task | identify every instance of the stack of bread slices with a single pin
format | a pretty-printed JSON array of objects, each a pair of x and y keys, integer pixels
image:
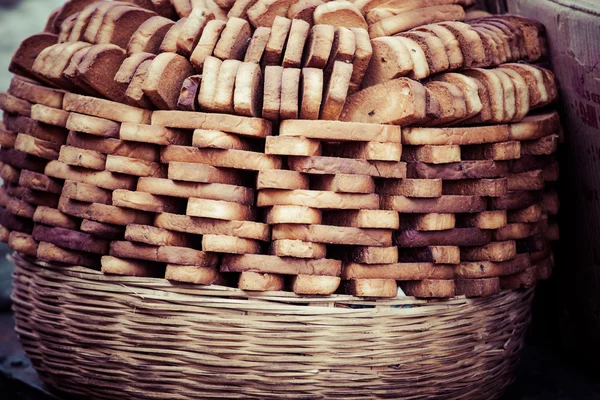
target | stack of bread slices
[{"x": 372, "y": 147}]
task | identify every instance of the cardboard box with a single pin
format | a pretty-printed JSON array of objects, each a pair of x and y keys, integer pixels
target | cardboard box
[{"x": 573, "y": 31}]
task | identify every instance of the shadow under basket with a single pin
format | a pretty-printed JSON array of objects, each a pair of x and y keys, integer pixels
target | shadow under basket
[{"x": 104, "y": 337}]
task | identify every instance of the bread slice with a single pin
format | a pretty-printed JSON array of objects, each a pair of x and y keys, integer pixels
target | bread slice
[
  {"x": 50, "y": 252},
  {"x": 371, "y": 255},
  {"x": 245, "y": 126},
  {"x": 190, "y": 33},
  {"x": 23, "y": 60},
  {"x": 428, "y": 222},
  {"x": 510, "y": 104},
  {"x": 146, "y": 202},
  {"x": 134, "y": 166},
  {"x": 82, "y": 158},
  {"x": 70, "y": 239},
  {"x": 164, "y": 92},
  {"x": 219, "y": 210},
  {"x": 188, "y": 95},
  {"x": 202, "y": 173},
  {"x": 379, "y": 219},
  {"x": 207, "y": 43},
  {"x": 135, "y": 91},
  {"x": 332, "y": 165},
  {"x": 14, "y": 105},
  {"x": 223, "y": 100},
  {"x": 52, "y": 217},
  {"x": 333, "y": 234},
  {"x": 469, "y": 87},
  {"x": 207, "y": 92},
  {"x": 315, "y": 285},
  {"x": 477, "y": 287},
  {"x": 234, "y": 40},
  {"x": 371, "y": 288},
  {"x": 128, "y": 267},
  {"x": 429, "y": 288},
  {"x": 521, "y": 94},
  {"x": 336, "y": 91},
  {"x": 444, "y": 204},
  {"x": 421, "y": 188},
  {"x": 281, "y": 179},
  {"x": 229, "y": 245},
  {"x": 316, "y": 199},
  {"x": 95, "y": 22},
  {"x": 86, "y": 193},
  {"x": 119, "y": 24},
  {"x": 165, "y": 8},
  {"x": 255, "y": 281},
  {"x": 492, "y": 151},
  {"x": 272, "y": 92},
  {"x": 290, "y": 88},
  {"x": 211, "y": 6},
  {"x": 39, "y": 182},
  {"x": 49, "y": 116},
  {"x": 238, "y": 159},
  {"x": 451, "y": 237},
  {"x": 498, "y": 44},
  {"x": 114, "y": 146},
  {"x": 433, "y": 48},
  {"x": 66, "y": 27},
  {"x": 93, "y": 125},
  {"x": 292, "y": 214},
  {"x": 311, "y": 93},
  {"x": 411, "y": 19},
  {"x": 544, "y": 146},
  {"x": 183, "y": 8},
  {"x": 257, "y": 45},
  {"x": 431, "y": 254},
  {"x": 297, "y": 249},
  {"x": 127, "y": 71},
  {"x": 495, "y": 93},
  {"x": 533, "y": 213},
  {"x": 81, "y": 22},
  {"x": 204, "y": 226},
  {"x": 538, "y": 93},
  {"x": 535, "y": 126},
  {"x": 298, "y": 34},
  {"x": 240, "y": 8},
  {"x": 343, "y": 183},
  {"x": 342, "y": 49},
  {"x": 318, "y": 48},
  {"x": 452, "y": 102},
  {"x": 208, "y": 138},
  {"x": 277, "y": 265},
  {"x": 380, "y": 9},
  {"x": 277, "y": 40},
  {"x": 404, "y": 103},
  {"x": 169, "y": 42},
  {"x": 339, "y": 14},
  {"x": 98, "y": 69},
  {"x": 265, "y": 12},
  {"x": 102, "y": 230},
  {"x": 290, "y": 145},
  {"x": 33, "y": 93},
  {"x": 304, "y": 10},
  {"x": 391, "y": 59},
  {"x": 494, "y": 252},
  {"x": 477, "y": 187},
  {"x": 470, "y": 44},
  {"x": 102, "y": 179},
  {"x": 405, "y": 271}
]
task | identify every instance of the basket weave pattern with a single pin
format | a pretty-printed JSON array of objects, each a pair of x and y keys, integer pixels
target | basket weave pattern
[{"x": 99, "y": 336}]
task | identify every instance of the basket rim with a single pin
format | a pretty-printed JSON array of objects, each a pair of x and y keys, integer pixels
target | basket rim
[{"x": 160, "y": 289}]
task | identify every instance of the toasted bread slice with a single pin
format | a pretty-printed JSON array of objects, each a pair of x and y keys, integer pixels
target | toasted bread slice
[
  {"x": 434, "y": 50},
  {"x": 191, "y": 30},
  {"x": 400, "y": 101},
  {"x": 293, "y": 215},
  {"x": 470, "y": 43},
  {"x": 333, "y": 234},
  {"x": 391, "y": 59},
  {"x": 318, "y": 48},
  {"x": 99, "y": 67},
  {"x": 238, "y": 159},
  {"x": 234, "y": 40},
  {"x": 119, "y": 24},
  {"x": 423, "y": 188},
  {"x": 311, "y": 96},
  {"x": 297, "y": 249},
  {"x": 188, "y": 95},
  {"x": 257, "y": 45},
  {"x": 169, "y": 42},
  {"x": 411, "y": 19},
  {"x": 316, "y": 199},
  {"x": 207, "y": 92},
  {"x": 277, "y": 40},
  {"x": 247, "y": 97},
  {"x": 304, "y": 10},
  {"x": 343, "y": 183},
  {"x": 281, "y": 179},
  {"x": 240, "y": 8},
  {"x": 164, "y": 92},
  {"x": 130, "y": 65},
  {"x": 339, "y": 14},
  {"x": 27, "y": 52},
  {"x": 299, "y": 31},
  {"x": 336, "y": 91},
  {"x": 223, "y": 100},
  {"x": 468, "y": 86},
  {"x": 429, "y": 288},
  {"x": 207, "y": 43},
  {"x": 290, "y": 94},
  {"x": 183, "y": 8},
  {"x": 272, "y": 92}
]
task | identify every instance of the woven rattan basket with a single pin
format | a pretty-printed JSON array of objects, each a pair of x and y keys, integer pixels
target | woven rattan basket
[{"x": 97, "y": 336}]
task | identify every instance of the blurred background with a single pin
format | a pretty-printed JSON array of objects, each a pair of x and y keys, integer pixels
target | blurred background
[{"x": 18, "y": 19}]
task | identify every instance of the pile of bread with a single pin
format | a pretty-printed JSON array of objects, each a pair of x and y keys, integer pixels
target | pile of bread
[{"x": 319, "y": 147}]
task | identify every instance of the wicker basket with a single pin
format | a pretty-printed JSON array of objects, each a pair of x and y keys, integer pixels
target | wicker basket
[{"x": 97, "y": 336}]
